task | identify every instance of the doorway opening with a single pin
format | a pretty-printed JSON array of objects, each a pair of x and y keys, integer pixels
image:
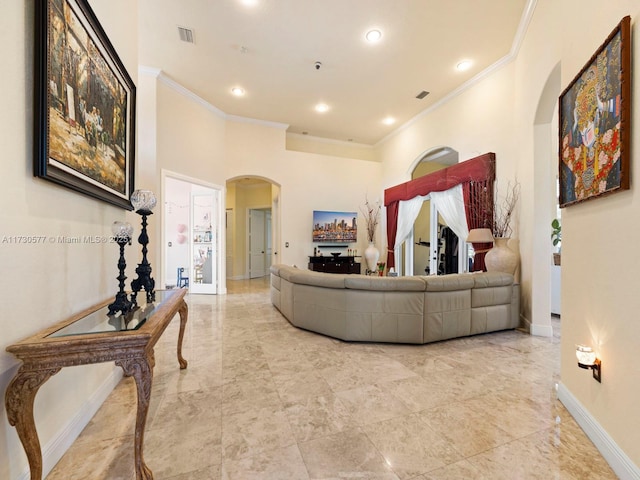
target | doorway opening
[
  {"x": 253, "y": 227},
  {"x": 432, "y": 247},
  {"x": 191, "y": 235}
]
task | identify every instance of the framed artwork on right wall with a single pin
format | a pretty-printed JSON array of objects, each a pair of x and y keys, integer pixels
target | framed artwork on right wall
[{"x": 595, "y": 123}]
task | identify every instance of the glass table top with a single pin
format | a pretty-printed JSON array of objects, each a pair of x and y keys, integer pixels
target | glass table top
[{"x": 100, "y": 322}]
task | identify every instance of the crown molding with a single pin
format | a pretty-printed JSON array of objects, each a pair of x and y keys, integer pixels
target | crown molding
[
  {"x": 159, "y": 75},
  {"x": 332, "y": 141},
  {"x": 264, "y": 123}
]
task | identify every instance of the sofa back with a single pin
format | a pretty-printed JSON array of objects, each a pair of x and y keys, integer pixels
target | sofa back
[{"x": 417, "y": 309}]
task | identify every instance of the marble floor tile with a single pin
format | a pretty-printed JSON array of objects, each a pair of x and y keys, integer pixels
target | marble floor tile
[
  {"x": 256, "y": 431},
  {"x": 319, "y": 417},
  {"x": 110, "y": 459},
  {"x": 281, "y": 464},
  {"x": 198, "y": 450},
  {"x": 345, "y": 455},
  {"x": 410, "y": 447},
  {"x": 468, "y": 429},
  {"x": 264, "y": 400}
]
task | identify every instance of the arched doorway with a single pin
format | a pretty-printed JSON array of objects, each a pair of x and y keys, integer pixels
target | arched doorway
[
  {"x": 435, "y": 246},
  {"x": 545, "y": 203},
  {"x": 252, "y": 226}
]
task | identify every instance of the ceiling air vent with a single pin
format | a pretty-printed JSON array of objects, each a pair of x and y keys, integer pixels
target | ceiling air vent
[
  {"x": 422, "y": 94},
  {"x": 186, "y": 34}
]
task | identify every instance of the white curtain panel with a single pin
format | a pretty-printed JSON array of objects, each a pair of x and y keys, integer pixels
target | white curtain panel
[
  {"x": 408, "y": 211},
  {"x": 450, "y": 204}
]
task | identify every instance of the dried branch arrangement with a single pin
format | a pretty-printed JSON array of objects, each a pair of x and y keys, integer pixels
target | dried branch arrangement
[
  {"x": 504, "y": 210},
  {"x": 371, "y": 217}
]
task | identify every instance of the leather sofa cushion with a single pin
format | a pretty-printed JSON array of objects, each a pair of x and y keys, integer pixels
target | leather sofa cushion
[
  {"x": 446, "y": 283},
  {"x": 275, "y": 269},
  {"x": 318, "y": 279},
  {"x": 285, "y": 271},
  {"x": 484, "y": 297},
  {"x": 492, "y": 279},
  {"x": 388, "y": 284}
]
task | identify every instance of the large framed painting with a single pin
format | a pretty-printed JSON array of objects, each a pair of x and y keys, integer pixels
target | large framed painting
[
  {"x": 335, "y": 227},
  {"x": 595, "y": 113},
  {"x": 84, "y": 104}
]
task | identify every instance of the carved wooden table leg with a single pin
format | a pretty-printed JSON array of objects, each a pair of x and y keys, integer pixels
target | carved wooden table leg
[
  {"x": 19, "y": 398},
  {"x": 141, "y": 369},
  {"x": 183, "y": 311}
]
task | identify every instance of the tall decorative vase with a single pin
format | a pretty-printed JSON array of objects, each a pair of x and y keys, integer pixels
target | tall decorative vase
[
  {"x": 371, "y": 256},
  {"x": 501, "y": 258}
]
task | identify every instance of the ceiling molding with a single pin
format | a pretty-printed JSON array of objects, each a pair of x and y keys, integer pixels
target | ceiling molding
[
  {"x": 264, "y": 123},
  {"x": 332, "y": 141},
  {"x": 511, "y": 56},
  {"x": 149, "y": 71},
  {"x": 175, "y": 86},
  {"x": 169, "y": 82}
]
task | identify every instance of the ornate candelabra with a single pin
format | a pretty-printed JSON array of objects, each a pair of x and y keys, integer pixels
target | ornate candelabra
[
  {"x": 122, "y": 232},
  {"x": 143, "y": 202}
]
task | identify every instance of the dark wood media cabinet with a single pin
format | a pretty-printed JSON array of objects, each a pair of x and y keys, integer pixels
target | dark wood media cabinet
[{"x": 333, "y": 264}]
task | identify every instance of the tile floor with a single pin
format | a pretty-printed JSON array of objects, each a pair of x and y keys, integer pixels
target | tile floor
[{"x": 264, "y": 400}]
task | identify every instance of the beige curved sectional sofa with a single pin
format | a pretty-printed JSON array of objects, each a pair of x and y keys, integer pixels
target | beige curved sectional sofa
[{"x": 395, "y": 309}]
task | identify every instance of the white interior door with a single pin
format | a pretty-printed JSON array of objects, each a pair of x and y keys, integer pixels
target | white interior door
[
  {"x": 229, "y": 241},
  {"x": 257, "y": 244},
  {"x": 203, "y": 273},
  {"x": 268, "y": 240}
]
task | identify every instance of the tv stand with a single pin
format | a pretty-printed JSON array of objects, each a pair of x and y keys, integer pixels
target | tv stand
[{"x": 334, "y": 264}]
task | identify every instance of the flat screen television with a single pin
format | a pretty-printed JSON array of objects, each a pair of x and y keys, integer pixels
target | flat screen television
[{"x": 335, "y": 227}]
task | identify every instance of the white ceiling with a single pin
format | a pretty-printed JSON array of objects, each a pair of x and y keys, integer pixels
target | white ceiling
[{"x": 270, "y": 50}]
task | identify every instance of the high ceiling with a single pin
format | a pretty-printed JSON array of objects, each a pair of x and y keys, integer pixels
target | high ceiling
[{"x": 270, "y": 50}]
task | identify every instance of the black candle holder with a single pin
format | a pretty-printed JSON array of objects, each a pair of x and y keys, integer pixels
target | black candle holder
[
  {"x": 144, "y": 280},
  {"x": 143, "y": 202},
  {"x": 122, "y": 232}
]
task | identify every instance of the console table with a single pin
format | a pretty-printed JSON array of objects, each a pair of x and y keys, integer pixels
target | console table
[
  {"x": 334, "y": 264},
  {"x": 92, "y": 336}
]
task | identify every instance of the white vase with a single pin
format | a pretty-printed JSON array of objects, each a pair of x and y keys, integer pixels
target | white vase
[
  {"x": 501, "y": 258},
  {"x": 371, "y": 256}
]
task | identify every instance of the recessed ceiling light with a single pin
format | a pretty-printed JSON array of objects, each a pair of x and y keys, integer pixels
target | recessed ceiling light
[
  {"x": 389, "y": 121},
  {"x": 464, "y": 65},
  {"x": 373, "y": 35},
  {"x": 322, "y": 107},
  {"x": 237, "y": 91},
  {"x": 249, "y": 3}
]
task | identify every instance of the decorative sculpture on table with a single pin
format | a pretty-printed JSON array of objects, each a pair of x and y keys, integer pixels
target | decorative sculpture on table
[
  {"x": 143, "y": 202},
  {"x": 122, "y": 231}
]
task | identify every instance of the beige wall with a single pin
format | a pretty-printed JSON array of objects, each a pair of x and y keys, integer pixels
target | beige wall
[
  {"x": 500, "y": 114},
  {"x": 335, "y": 148},
  {"x": 307, "y": 182},
  {"x": 45, "y": 282},
  {"x": 600, "y": 284}
]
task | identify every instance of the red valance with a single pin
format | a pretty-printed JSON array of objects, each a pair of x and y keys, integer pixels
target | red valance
[
  {"x": 477, "y": 169},
  {"x": 474, "y": 170}
]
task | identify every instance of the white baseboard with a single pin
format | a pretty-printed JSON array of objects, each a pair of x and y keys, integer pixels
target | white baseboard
[
  {"x": 60, "y": 443},
  {"x": 621, "y": 464},
  {"x": 541, "y": 330}
]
